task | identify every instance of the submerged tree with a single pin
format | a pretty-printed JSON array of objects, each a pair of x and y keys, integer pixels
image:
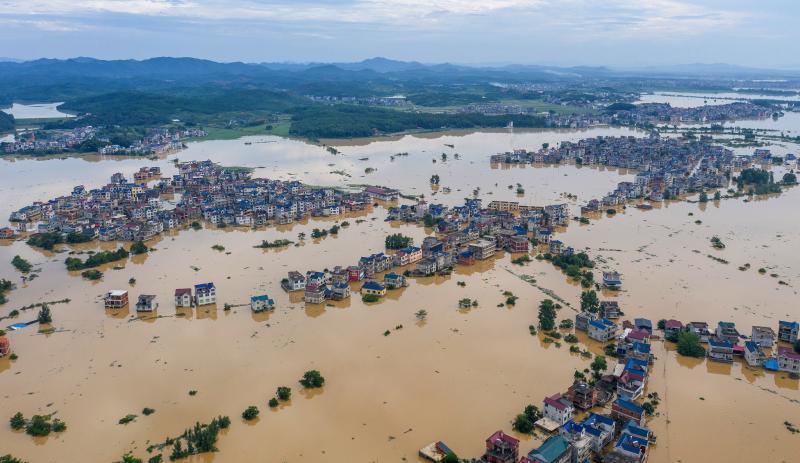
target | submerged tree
[
  {"x": 312, "y": 379},
  {"x": 547, "y": 315},
  {"x": 44, "y": 315}
]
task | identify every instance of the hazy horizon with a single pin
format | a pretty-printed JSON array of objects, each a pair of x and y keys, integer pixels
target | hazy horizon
[
  {"x": 426, "y": 63},
  {"x": 614, "y": 33}
]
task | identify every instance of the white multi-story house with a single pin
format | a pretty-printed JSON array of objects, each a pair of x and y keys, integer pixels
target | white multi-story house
[
  {"x": 602, "y": 330},
  {"x": 558, "y": 408},
  {"x": 788, "y": 360},
  {"x": 205, "y": 294}
]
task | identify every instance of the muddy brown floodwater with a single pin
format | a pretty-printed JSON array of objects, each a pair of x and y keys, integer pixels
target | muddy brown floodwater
[{"x": 457, "y": 376}]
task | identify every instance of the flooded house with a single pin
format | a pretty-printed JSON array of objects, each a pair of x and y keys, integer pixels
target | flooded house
[
  {"x": 788, "y": 361},
  {"x": 556, "y": 449},
  {"x": 753, "y": 354},
  {"x": 426, "y": 267},
  {"x": 701, "y": 330},
  {"x": 373, "y": 288},
  {"x": 466, "y": 258},
  {"x": 116, "y": 299},
  {"x": 612, "y": 279},
  {"x": 295, "y": 281},
  {"x": 764, "y": 336},
  {"x": 632, "y": 446},
  {"x": 314, "y": 293},
  {"x": 183, "y": 297},
  {"x": 381, "y": 194},
  {"x": 672, "y": 327},
  {"x": 602, "y": 330},
  {"x": 339, "y": 275},
  {"x": 582, "y": 395},
  {"x": 609, "y": 310},
  {"x": 788, "y": 331},
  {"x": 354, "y": 273},
  {"x": 435, "y": 451},
  {"x": 483, "y": 248},
  {"x": 582, "y": 320},
  {"x": 557, "y": 410},
  {"x": 261, "y": 303},
  {"x": 501, "y": 448},
  {"x": 5, "y": 346},
  {"x": 720, "y": 351},
  {"x": 632, "y": 380},
  {"x": 600, "y": 429},
  {"x": 394, "y": 280},
  {"x": 643, "y": 324},
  {"x": 638, "y": 350},
  {"x": 624, "y": 410},
  {"x": 146, "y": 303},
  {"x": 205, "y": 294},
  {"x": 555, "y": 246},
  {"x": 315, "y": 278},
  {"x": 340, "y": 291},
  {"x": 726, "y": 331},
  {"x": 7, "y": 233},
  {"x": 516, "y": 243},
  {"x": 579, "y": 441}
]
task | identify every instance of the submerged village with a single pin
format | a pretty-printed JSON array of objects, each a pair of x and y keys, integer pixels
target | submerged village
[{"x": 599, "y": 415}]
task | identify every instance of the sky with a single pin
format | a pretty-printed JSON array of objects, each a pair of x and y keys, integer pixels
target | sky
[{"x": 618, "y": 33}]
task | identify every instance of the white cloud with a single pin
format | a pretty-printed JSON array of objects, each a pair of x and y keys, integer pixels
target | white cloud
[
  {"x": 42, "y": 25},
  {"x": 622, "y": 18}
]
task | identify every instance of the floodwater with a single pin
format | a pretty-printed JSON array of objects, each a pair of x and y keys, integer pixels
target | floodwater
[
  {"x": 690, "y": 100},
  {"x": 35, "y": 111},
  {"x": 457, "y": 377},
  {"x": 787, "y": 124}
]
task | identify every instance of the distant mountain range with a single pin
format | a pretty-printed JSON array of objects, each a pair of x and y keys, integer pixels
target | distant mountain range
[{"x": 193, "y": 68}]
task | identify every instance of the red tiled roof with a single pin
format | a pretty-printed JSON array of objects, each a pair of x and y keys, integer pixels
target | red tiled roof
[
  {"x": 639, "y": 335},
  {"x": 788, "y": 353},
  {"x": 182, "y": 291},
  {"x": 555, "y": 401},
  {"x": 673, "y": 325},
  {"x": 500, "y": 435}
]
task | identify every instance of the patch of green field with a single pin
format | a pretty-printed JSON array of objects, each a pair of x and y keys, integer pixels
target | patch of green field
[{"x": 279, "y": 128}]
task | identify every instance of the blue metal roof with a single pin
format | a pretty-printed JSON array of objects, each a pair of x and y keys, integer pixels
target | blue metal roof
[
  {"x": 642, "y": 347},
  {"x": 751, "y": 346},
  {"x": 596, "y": 418},
  {"x": 373, "y": 285},
  {"x": 720, "y": 344},
  {"x": 629, "y": 405}
]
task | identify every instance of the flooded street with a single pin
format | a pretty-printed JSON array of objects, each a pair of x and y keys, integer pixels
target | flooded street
[{"x": 457, "y": 376}]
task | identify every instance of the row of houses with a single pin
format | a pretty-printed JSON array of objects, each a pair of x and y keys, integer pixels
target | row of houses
[
  {"x": 723, "y": 343},
  {"x": 204, "y": 294},
  {"x": 667, "y": 167},
  {"x": 50, "y": 141},
  {"x": 155, "y": 141},
  {"x": 596, "y": 438},
  {"x": 134, "y": 210}
]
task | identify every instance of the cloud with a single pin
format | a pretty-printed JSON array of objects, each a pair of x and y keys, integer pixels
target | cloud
[
  {"x": 357, "y": 11},
  {"x": 42, "y": 24},
  {"x": 629, "y": 17}
]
